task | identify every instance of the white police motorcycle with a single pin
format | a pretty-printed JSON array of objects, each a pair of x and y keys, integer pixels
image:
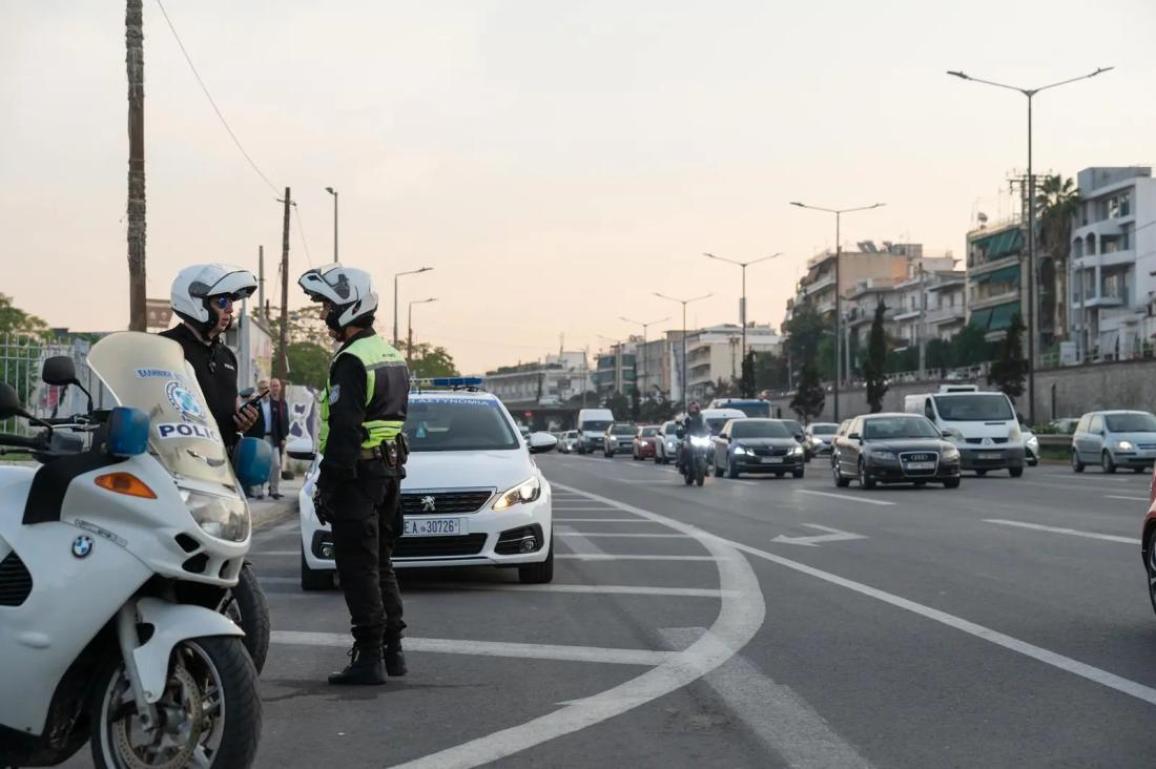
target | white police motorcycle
[{"x": 112, "y": 555}]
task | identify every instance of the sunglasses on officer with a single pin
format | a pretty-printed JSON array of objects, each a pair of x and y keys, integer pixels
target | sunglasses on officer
[{"x": 224, "y": 300}]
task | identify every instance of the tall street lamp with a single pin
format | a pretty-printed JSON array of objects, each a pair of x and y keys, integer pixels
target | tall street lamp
[
  {"x": 1029, "y": 93},
  {"x": 333, "y": 192},
  {"x": 409, "y": 332},
  {"x": 645, "y": 326},
  {"x": 838, "y": 212},
  {"x": 743, "y": 301},
  {"x": 395, "y": 305},
  {"x": 684, "y": 303}
]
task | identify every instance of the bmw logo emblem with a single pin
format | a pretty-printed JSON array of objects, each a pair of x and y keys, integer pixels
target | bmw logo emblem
[{"x": 82, "y": 546}]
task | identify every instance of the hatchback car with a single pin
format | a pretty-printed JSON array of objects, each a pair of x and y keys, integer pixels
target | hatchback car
[
  {"x": 645, "y": 443},
  {"x": 1115, "y": 439},
  {"x": 568, "y": 441},
  {"x": 666, "y": 443},
  {"x": 820, "y": 436},
  {"x": 473, "y": 495},
  {"x": 757, "y": 446},
  {"x": 618, "y": 439},
  {"x": 894, "y": 448}
]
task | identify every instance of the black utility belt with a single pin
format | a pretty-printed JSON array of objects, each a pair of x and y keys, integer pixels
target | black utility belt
[{"x": 390, "y": 452}]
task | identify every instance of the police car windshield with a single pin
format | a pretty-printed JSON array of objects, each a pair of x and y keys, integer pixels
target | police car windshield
[{"x": 458, "y": 424}]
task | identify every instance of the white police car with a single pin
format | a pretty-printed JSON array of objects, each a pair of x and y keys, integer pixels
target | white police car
[{"x": 473, "y": 496}]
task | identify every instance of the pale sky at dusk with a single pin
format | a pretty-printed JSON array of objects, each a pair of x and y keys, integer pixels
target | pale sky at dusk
[{"x": 554, "y": 162}]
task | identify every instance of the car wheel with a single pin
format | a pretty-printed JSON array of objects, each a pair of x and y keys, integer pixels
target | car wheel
[
  {"x": 314, "y": 579},
  {"x": 951, "y": 483},
  {"x": 981, "y": 473},
  {"x": 798, "y": 473},
  {"x": 1077, "y": 465},
  {"x": 538, "y": 573},
  {"x": 840, "y": 481},
  {"x": 1015, "y": 472},
  {"x": 1106, "y": 462},
  {"x": 1150, "y": 564},
  {"x": 864, "y": 482},
  {"x": 718, "y": 471}
]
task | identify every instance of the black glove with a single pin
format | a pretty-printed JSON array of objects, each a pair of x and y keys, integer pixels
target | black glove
[{"x": 323, "y": 503}]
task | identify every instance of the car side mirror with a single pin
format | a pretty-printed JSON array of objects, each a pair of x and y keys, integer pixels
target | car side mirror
[
  {"x": 10, "y": 405},
  {"x": 799, "y": 437},
  {"x": 855, "y": 437},
  {"x": 59, "y": 370},
  {"x": 542, "y": 442}
]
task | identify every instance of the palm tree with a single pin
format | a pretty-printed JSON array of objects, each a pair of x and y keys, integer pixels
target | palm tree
[{"x": 1057, "y": 202}]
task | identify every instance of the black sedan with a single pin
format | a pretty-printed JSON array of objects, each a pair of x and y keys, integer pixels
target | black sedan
[
  {"x": 757, "y": 446},
  {"x": 894, "y": 448}
]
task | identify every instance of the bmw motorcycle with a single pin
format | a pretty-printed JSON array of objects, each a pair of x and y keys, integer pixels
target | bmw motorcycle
[
  {"x": 114, "y": 556},
  {"x": 695, "y": 450}
]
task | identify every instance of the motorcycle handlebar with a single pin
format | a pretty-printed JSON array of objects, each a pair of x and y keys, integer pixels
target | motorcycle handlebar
[{"x": 21, "y": 441}]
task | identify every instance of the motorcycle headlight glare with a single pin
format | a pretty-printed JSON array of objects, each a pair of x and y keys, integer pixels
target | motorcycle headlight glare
[
  {"x": 223, "y": 517},
  {"x": 700, "y": 441},
  {"x": 527, "y": 491}
]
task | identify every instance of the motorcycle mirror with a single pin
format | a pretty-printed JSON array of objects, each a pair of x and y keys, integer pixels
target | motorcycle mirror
[
  {"x": 59, "y": 370},
  {"x": 10, "y": 402},
  {"x": 251, "y": 460},
  {"x": 128, "y": 432}
]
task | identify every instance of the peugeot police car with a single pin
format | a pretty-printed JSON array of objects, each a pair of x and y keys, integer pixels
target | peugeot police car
[{"x": 473, "y": 495}]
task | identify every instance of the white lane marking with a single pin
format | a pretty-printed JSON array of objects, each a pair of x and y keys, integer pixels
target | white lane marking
[
  {"x": 739, "y": 619},
  {"x": 846, "y": 497},
  {"x": 568, "y": 509},
  {"x": 600, "y": 520},
  {"x": 1132, "y": 499},
  {"x": 832, "y": 535},
  {"x": 634, "y": 557},
  {"x": 641, "y": 482},
  {"x": 1059, "y": 530},
  {"x": 575, "y": 542},
  {"x": 1038, "y": 653},
  {"x": 631, "y": 534},
  {"x": 557, "y": 587},
  {"x": 490, "y": 648},
  {"x": 779, "y": 717}
]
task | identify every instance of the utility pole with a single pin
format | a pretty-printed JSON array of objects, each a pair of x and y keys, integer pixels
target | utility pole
[
  {"x": 921, "y": 329},
  {"x": 684, "y": 303},
  {"x": 134, "y": 64},
  {"x": 261, "y": 282},
  {"x": 281, "y": 364},
  {"x": 333, "y": 192}
]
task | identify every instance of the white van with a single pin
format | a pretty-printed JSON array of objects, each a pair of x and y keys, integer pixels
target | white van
[
  {"x": 982, "y": 425},
  {"x": 716, "y": 418},
  {"x": 592, "y": 423}
]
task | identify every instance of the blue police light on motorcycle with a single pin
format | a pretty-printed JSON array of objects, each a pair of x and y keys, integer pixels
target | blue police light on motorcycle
[
  {"x": 251, "y": 460},
  {"x": 128, "y": 432}
]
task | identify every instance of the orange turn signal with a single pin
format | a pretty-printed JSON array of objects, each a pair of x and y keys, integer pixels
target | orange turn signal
[{"x": 125, "y": 483}]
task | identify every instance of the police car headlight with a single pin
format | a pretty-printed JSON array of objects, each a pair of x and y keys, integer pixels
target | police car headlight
[
  {"x": 527, "y": 491},
  {"x": 223, "y": 517}
]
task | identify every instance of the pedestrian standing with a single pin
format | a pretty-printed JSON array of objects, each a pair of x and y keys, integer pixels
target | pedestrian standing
[{"x": 363, "y": 451}]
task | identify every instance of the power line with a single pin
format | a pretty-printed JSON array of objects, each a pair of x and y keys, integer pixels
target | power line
[
  {"x": 212, "y": 102},
  {"x": 301, "y": 230}
]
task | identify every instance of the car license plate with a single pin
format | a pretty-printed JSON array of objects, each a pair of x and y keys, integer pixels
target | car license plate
[
  {"x": 989, "y": 456},
  {"x": 772, "y": 460},
  {"x": 920, "y": 465},
  {"x": 434, "y": 527}
]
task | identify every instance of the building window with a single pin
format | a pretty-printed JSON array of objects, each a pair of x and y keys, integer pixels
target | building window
[{"x": 1091, "y": 245}]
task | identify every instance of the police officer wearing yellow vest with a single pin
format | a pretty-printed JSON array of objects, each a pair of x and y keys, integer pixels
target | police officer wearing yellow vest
[{"x": 363, "y": 454}]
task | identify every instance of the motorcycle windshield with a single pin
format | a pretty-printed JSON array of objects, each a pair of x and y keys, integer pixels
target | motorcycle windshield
[{"x": 149, "y": 373}]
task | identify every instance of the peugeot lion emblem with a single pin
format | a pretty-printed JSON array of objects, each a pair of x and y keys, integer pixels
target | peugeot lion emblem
[
  {"x": 428, "y": 504},
  {"x": 82, "y": 546}
]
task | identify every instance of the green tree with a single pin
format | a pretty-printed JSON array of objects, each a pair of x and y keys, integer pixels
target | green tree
[
  {"x": 809, "y": 397},
  {"x": 770, "y": 372},
  {"x": 747, "y": 381},
  {"x": 14, "y": 321},
  {"x": 1057, "y": 202},
  {"x": 619, "y": 405},
  {"x": 805, "y": 331},
  {"x": 308, "y": 364},
  {"x": 1010, "y": 366},
  {"x": 969, "y": 347},
  {"x": 635, "y": 405},
  {"x": 874, "y": 367},
  {"x": 429, "y": 361}
]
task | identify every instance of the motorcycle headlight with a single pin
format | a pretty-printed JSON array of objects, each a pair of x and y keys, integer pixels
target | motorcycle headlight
[
  {"x": 1125, "y": 446},
  {"x": 223, "y": 517},
  {"x": 884, "y": 454},
  {"x": 701, "y": 441},
  {"x": 527, "y": 491},
  {"x": 950, "y": 454}
]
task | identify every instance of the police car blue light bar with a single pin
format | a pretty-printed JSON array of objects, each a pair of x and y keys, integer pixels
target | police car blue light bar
[{"x": 457, "y": 381}]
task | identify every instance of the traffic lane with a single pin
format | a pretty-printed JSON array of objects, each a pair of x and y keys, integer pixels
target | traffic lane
[
  {"x": 1085, "y": 599},
  {"x": 904, "y": 688}
]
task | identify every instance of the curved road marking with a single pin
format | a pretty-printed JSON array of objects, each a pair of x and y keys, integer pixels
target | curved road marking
[{"x": 740, "y": 617}]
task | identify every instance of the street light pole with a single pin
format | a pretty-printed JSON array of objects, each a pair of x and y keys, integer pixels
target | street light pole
[
  {"x": 333, "y": 192},
  {"x": 1032, "y": 326},
  {"x": 645, "y": 326},
  {"x": 395, "y": 304},
  {"x": 743, "y": 301},
  {"x": 684, "y": 303},
  {"x": 409, "y": 332},
  {"x": 838, "y": 212}
]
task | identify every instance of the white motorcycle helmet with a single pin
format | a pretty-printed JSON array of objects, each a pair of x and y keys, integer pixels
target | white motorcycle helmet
[
  {"x": 196, "y": 286},
  {"x": 348, "y": 289}
]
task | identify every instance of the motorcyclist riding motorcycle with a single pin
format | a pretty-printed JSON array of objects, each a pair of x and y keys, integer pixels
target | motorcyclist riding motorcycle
[{"x": 692, "y": 424}]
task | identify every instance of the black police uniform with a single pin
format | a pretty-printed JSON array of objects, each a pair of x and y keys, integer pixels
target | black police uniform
[
  {"x": 359, "y": 491},
  {"x": 216, "y": 369}
]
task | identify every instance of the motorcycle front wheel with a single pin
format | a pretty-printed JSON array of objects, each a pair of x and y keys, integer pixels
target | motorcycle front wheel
[
  {"x": 209, "y": 714},
  {"x": 245, "y": 604}
]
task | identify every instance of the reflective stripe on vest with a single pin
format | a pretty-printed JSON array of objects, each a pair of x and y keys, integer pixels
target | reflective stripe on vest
[{"x": 386, "y": 391}]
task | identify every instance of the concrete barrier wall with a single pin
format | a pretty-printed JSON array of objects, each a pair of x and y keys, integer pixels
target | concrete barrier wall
[{"x": 1060, "y": 392}]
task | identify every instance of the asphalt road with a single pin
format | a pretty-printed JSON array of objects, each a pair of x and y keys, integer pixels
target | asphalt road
[{"x": 709, "y": 627}]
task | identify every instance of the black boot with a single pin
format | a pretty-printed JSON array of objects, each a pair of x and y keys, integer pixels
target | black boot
[
  {"x": 394, "y": 658},
  {"x": 365, "y": 668}
]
